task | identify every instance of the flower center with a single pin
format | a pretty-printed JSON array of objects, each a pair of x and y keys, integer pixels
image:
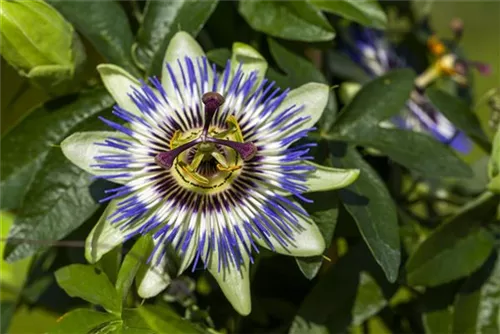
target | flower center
[{"x": 207, "y": 158}]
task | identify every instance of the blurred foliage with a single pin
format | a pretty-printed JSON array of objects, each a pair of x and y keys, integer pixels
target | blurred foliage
[{"x": 412, "y": 244}]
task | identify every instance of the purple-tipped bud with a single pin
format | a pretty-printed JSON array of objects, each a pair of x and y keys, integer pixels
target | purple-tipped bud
[
  {"x": 457, "y": 27},
  {"x": 212, "y": 102}
]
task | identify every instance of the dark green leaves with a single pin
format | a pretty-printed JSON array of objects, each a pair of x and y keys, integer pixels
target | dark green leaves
[
  {"x": 137, "y": 256},
  {"x": 293, "y": 20},
  {"x": 377, "y": 101},
  {"x": 476, "y": 306},
  {"x": 370, "y": 204},
  {"x": 366, "y": 12},
  {"x": 91, "y": 284},
  {"x": 164, "y": 320},
  {"x": 299, "y": 71},
  {"x": 416, "y": 151},
  {"x": 57, "y": 202},
  {"x": 26, "y": 146},
  {"x": 457, "y": 112},
  {"x": 162, "y": 19},
  {"x": 347, "y": 292},
  {"x": 105, "y": 25},
  {"x": 324, "y": 212},
  {"x": 456, "y": 248},
  {"x": 85, "y": 321}
]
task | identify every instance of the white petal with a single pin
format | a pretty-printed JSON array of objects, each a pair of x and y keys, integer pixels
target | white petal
[
  {"x": 81, "y": 149},
  {"x": 104, "y": 236},
  {"x": 182, "y": 45},
  {"x": 328, "y": 178},
  {"x": 314, "y": 97},
  {"x": 308, "y": 242},
  {"x": 234, "y": 283},
  {"x": 250, "y": 59},
  {"x": 119, "y": 84},
  {"x": 155, "y": 278}
]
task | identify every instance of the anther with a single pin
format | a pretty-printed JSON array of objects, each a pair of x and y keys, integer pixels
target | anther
[
  {"x": 246, "y": 150},
  {"x": 166, "y": 159},
  {"x": 212, "y": 102}
]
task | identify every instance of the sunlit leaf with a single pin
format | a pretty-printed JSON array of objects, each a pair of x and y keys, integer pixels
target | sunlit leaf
[
  {"x": 366, "y": 12},
  {"x": 456, "y": 248},
  {"x": 294, "y": 20},
  {"x": 83, "y": 321},
  {"x": 105, "y": 25},
  {"x": 91, "y": 284}
]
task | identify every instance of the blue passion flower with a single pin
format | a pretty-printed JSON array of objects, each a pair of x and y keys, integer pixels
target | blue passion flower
[
  {"x": 371, "y": 50},
  {"x": 210, "y": 166}
]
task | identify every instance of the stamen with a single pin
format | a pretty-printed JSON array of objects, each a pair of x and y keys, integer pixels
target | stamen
[
  {"x": 166, "y": 159},
  {"x": 212, "y": 102},
  {"x": 246, "y": 150}
]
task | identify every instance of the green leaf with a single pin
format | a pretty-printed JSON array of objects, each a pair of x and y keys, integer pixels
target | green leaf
[
  {"x": 456, "y": 248},
  {"x": 417, "y": 151},
  {"x": 133, "y": 323},
  {"x": 60, "y": 199},
  {"x": 324, "y": 211},
  {"x": 476, "y": 307},
  {"x": 293, "y": 20},
  {"x": 110, "y": 263},
  {"x": 163, "y": 320},
  {"x": 344, "y": 67},
  {"x": 300, "y": 71},
  {"x": 219, "y": 56},
  {"x": 370, "y": 204},
  {"x": 494, "y": 164},
  {"x": 91, "y": 284},
  {"x": 457, "y": 112},
  {"x": 105, "y": 25},
  {"x": 45, "y": 127},
  {"x": 162, "y": 19},
  {"x": 375, "y": 102},
  {"x": 347, "y": 292},
  {"x": 366, "y": 12},
  {"x": 84, "y": 321},
  {"x": 380, "y": 99},
  {"x": 7, "y": 309},
  {"x": 437, "y": 308},
  {"x": 137, "y": 255}
]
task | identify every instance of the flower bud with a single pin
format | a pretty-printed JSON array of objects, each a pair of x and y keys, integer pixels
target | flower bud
[{"x": 40, "y": 44}]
